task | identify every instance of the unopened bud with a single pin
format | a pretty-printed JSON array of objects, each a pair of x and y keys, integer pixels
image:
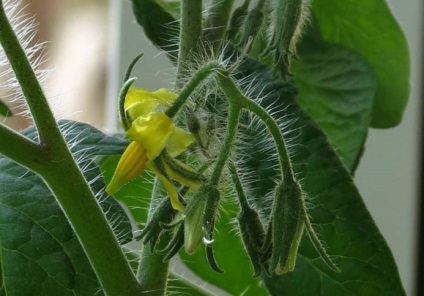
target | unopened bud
[
  {"x": 200, "y": 217},
  {"x": 253, "y": 236},
  {"x": 287, "y": 225}
]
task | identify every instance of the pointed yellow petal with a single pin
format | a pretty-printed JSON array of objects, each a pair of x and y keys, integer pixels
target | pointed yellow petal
[
  {"x": 153, "y": 131},
  {"x": 130, "y": 166},
  {"x": 169, "y": 187}
]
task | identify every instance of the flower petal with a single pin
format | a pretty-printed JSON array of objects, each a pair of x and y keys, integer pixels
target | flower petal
[
  {"x": 131, "y": 165},
  {"x": 179, "y": 141},
  {"x": 153, "y": 131},
  {"x": 140, "y": 102}
]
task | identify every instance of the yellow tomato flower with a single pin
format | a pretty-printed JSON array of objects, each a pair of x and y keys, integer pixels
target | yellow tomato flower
[{"x": 151, "y": 131}]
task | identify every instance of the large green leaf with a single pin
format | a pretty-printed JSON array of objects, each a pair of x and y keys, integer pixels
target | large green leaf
[
  {"x": 368, "y": 27},
  {"x": 336, "y": 209},
  {"x": 159, "y": 25},
  {"x": 40, "y": 254},
  {"x": 337, "y": 89},
  {"x": 4, "y": 110}
]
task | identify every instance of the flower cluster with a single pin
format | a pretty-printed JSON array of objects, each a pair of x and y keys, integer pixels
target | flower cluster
[{"x": 151, "y": 132}]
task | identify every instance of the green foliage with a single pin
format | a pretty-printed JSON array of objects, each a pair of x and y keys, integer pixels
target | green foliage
[
  {"x": 336, "y": 88},
  {"x": 40, "y": 253},
  {"x": 368, "y": 27}
]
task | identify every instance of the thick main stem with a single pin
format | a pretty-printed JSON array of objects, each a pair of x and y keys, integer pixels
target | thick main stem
[{"x": 152, "y": 270}]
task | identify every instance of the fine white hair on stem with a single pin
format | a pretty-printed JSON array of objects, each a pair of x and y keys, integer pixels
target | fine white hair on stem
[{"x": 25, "y": 28}]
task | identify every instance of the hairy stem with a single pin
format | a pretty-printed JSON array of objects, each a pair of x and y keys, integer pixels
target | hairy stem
[
  {"x": 233, "y": 119},
  {"x": 218, "y": 15},
  {"x": 188, "y": 89},
  {"x": 152, "y": 270},
  {"x": 20, "y": 149},
  {"x": 190, "y": 36},
  {"x": 63, "y": 176},
  {"x": 233, "y": 93}
]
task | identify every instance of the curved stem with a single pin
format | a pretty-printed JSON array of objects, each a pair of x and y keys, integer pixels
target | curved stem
[
  {"x": 235, "y": 95},
  {"x": 194, "y": 82},
  {"x": 20, "y": 149},
  {"x": 233, "y": 119}
]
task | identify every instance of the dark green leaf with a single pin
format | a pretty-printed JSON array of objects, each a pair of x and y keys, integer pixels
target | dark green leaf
[
  {"x": 4, "y": 110},
  {"x": 368, "y": 27},
  {"x": 337, "y": 89},
  {"x": 159, "y": 25},
  {"x": 40, "y": 255},
  {"x": 336, "y": 209}
]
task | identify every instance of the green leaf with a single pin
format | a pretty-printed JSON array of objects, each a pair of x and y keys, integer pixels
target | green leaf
[
  {"x": 337, "y": 89},
  {"x": 159, "y": 25},
  {"x": 368, "y": 27},
  {"x": 40, "y": 255},
  {"x": 335, "y": 207},
  {"x": 4, "y": 110}
]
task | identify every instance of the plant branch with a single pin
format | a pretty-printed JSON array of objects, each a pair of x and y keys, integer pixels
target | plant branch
[
  {"x": 188, "y": 89},
  {"x": 20, "y": 149},
  {"x": 233, "y": 119},
  {"x": 235, "y": 95},
  {"x": 218, "y": 15},
  {"x": 190, "y": 36},
  {"x": 152, "y": 270},
  {"x": 37, "y": 102}
]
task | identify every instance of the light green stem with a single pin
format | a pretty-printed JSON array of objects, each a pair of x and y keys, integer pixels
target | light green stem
[
  {"x": 20, "y": 149},
  {"x": 57, "y": 167},
  {"x": 190, "y": 36},
  {"x": 233, "y": 119},
  {"x": 152, "y": 270},
  {"x": 198, "y": 77},
  {"x": 235, "y": 95},
  {"x": 218, "y": 15}
]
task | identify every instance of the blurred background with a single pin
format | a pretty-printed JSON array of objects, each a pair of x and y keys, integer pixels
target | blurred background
[{"x": 90, "y": 43}]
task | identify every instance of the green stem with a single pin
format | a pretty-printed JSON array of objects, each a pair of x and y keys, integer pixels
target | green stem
[
  {"x": 233, "y": 119},
  {"x": 20, "y": 149},
  {"x": 238, "y": 186},
  {"x": 37, "y": 102},
  {"x": 233, "y": 93},
  {"x": 152, "y": 270},
  {"x": 188, "y": 89},
  {"x": 63, "y": 176},
  {"x": 190, "y": 36},
  {"x": 218, "y": 15}
]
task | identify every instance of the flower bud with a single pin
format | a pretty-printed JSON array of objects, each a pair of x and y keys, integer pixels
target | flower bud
[
  {"x": 287, "y": 225},
  {"x": 253, "y": 236},
  {"x": 200, "y": 217}
]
